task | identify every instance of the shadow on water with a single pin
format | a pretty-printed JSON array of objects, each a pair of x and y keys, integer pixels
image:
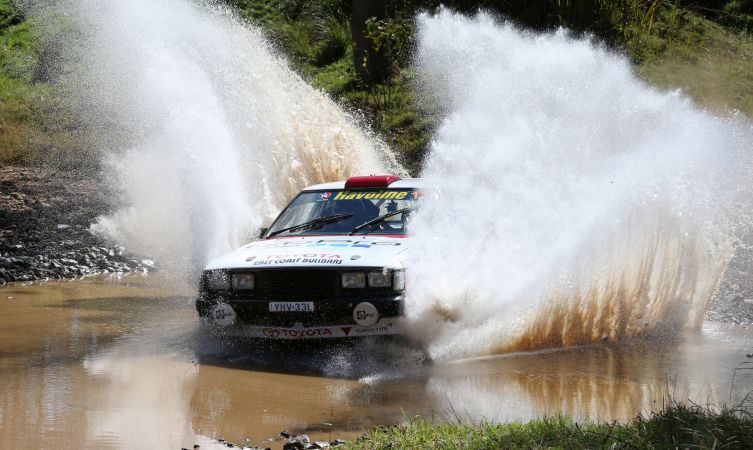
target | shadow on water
[{"x": 340, "y": 358}]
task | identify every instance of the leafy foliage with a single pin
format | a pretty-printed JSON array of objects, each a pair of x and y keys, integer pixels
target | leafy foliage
[{"x": 315, "y": 34}]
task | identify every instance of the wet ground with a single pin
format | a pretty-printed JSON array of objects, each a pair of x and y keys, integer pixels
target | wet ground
[{"x": 121, "y": 362}]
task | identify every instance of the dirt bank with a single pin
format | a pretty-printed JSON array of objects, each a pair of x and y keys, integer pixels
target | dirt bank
[{"x": 45, "y": 216}]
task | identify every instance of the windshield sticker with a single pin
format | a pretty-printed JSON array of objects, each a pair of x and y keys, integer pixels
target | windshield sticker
[
  {"x": 323, "y": 196},
  {"x": 371, "y": 195},
  {"x": 325, "y": 243}
]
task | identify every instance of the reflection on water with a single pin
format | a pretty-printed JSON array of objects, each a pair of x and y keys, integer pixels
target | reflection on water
[{"x": 112, "y": 363}]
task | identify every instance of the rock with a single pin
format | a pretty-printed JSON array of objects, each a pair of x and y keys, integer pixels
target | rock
[
  {"x": 318, "y": 444},
  {"x": 285, "y": 434},
  {"x": 45, "y": 227},
  {"x": 294, "y": 445},
  {"x": 338, "y": 442}
]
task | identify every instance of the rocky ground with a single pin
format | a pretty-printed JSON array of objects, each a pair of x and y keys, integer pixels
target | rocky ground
[
  {"x": 45, "y": 216},
  {"x": 289, "y": 442}
]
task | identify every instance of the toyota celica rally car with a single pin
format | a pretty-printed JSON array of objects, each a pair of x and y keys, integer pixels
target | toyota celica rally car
[{"x": 329, "y": 266}]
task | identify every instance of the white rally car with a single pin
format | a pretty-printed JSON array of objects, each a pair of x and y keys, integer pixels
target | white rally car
[{"x": 329, "y": 266}]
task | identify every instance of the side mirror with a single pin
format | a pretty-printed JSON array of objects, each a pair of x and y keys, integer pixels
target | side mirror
[{"x": 262, "y": 232}]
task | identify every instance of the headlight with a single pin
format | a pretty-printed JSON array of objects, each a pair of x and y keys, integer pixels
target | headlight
[
  {"x": 380, "y": 279},
  {"x": 243, "y": 281},
  {"x": 354, "y": 280},
  {"x": 216, "y": 280},
  {"x": 399, "y": 280}
]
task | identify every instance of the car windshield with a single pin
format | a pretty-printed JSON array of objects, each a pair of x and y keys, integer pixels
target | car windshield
[{"x": 343, "y": 211}]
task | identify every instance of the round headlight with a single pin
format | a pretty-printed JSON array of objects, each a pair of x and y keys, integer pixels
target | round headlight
[{"x": 353, "y": 280}]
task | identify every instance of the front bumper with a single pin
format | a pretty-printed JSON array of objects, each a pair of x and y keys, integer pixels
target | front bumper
[
  {"x": 383, "y": 327},
  {"x": 332, "y": 317}
]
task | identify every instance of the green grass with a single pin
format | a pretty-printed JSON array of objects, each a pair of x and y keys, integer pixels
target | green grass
[
  {"x": 713, "y": 64},
  {"x": 677, "y": 426},
  {"x": 18, "y": 58},
  {"x": 36, "y": 127}
]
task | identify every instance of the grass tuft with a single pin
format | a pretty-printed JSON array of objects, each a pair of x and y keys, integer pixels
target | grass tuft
[{"x": 675, "y": 426}]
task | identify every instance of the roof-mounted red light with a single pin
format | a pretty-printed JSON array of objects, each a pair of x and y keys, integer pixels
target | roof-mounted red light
[{"x": 373, "y": 181}]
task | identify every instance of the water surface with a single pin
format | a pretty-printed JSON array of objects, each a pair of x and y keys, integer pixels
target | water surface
[{"x": 121, "y": 362}]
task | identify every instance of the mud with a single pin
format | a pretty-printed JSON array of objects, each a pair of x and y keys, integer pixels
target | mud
[{"x": 115, "y": 362}]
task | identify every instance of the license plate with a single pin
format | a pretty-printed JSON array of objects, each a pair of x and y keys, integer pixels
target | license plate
[{"x": 291, "y": 306}]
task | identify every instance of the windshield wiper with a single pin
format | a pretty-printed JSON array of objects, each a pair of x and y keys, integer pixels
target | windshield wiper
[
  {"x": 315, "y": 223},
  {"x": 380, "y": 219}
]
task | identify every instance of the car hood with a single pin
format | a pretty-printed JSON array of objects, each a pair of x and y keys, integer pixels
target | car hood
[{"x": 317, "y": 251}]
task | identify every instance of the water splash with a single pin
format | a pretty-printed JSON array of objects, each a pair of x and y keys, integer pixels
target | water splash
[
  {"x": 574, "y": 202},
  {"x": 205, "y": 131}
]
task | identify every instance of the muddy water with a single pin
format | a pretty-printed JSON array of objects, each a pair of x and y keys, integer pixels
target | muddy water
[{"x": 121, "y": 362}]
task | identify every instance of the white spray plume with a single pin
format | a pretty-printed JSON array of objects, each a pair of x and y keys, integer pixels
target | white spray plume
[
  {"x": 212, "y": 131},
  {"x": 574, "y": 203}
]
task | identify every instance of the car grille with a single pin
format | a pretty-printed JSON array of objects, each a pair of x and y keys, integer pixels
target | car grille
[
  {"x": 287, "y": 283},
  {"x": 321, "y": 286}
]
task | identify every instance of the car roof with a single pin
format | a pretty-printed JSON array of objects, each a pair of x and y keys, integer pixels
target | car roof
[{"x": 405, "y": 183}]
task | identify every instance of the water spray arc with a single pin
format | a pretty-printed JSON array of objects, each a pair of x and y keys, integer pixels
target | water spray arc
[
  {"x": 206, "y": 131},
  {"x": 575, "y": 203}
]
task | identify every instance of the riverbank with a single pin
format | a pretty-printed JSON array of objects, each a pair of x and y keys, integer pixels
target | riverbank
[
  {"x": 45, "y": 219},
  {"x": 676, "y": 426}
]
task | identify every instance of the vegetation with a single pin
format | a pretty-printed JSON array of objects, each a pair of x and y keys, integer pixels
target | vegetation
[
  {"x": 677, "y": 426},
  {"x": 704, "y": 47},
  {"x": 35, "y": 125}
]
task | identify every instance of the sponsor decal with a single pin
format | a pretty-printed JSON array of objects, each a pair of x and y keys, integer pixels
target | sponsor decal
[
  {"x": 296, "y": 333},
  {"x": 223, "y": 314},
  {"x": 303, "y": 258},
  {"x": 371, "y": 195},
  {"x": 346, "y": 330},
  {"x": 324, "y": 196},
  {"x": 365, "y": 314},
  {"x": 344, "y": 243},
  {"x": 380, "y": 329}
]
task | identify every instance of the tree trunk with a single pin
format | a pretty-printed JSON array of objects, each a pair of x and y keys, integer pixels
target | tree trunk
[{"x": 371, "y": 66}]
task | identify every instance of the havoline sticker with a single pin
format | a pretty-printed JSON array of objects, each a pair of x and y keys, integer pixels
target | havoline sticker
[{"x": 371, "y": 195}]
